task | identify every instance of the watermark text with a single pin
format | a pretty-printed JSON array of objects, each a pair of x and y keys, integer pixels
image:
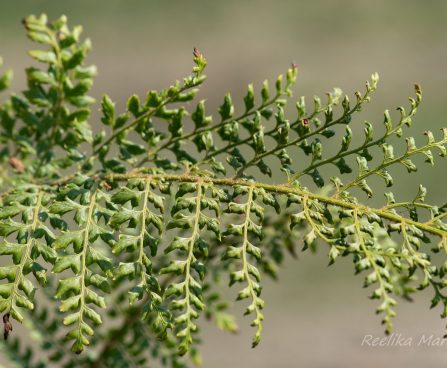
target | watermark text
[{"x": 399, "y": 340}]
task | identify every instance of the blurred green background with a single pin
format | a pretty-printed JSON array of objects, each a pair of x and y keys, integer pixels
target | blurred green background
[{"x": 315, "y": 316}]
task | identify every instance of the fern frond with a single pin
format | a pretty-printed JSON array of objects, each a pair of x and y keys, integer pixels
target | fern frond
[
  {"x": 168, "y": 200},
  {"x": 76, "y": 292},
  {"x": 249, "y": 273}
]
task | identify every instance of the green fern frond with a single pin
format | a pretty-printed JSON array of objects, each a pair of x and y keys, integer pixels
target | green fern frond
[{"x": 140, "y": 222}]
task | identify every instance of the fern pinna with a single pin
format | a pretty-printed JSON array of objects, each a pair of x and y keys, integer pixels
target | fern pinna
[{"x": 140, "y": 223}]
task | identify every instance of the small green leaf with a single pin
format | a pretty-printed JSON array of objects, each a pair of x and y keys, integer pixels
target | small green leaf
[
  {"x": 249, "y": 99},
  {"x": 71, "y": 261},
  {"x": 43, "y": 56},
  {"x": 61, "y": 208},
  {"x": 133, "y": 105},
  {"x": 108, "y": 110},
  {"x": 226, "y": 110}
]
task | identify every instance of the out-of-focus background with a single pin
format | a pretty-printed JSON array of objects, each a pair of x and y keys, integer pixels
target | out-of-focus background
[{"x": 315, "y": 316}]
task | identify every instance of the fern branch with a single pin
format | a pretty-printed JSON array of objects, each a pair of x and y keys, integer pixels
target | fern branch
[
  {"x": 297, "y": 141},
  {"x": 380, "y": 275},
  {"x": 200, "y": 131},
  {"x": 411, "y": 151},
  {"x": 280, "y": 189},
  {"x": 189, "y": 290},
  {"x": 81, "y": 329},
  {"x": 151, "y": 112},
  {"x": 189, "y": 312},
  {"x": 253, "y": 287},
  {"x": 368, "y": 142},
  {"x": 20, "y": 281}
]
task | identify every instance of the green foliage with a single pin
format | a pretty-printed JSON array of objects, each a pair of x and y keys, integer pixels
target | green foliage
[{"x": 141, "y": 222}]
